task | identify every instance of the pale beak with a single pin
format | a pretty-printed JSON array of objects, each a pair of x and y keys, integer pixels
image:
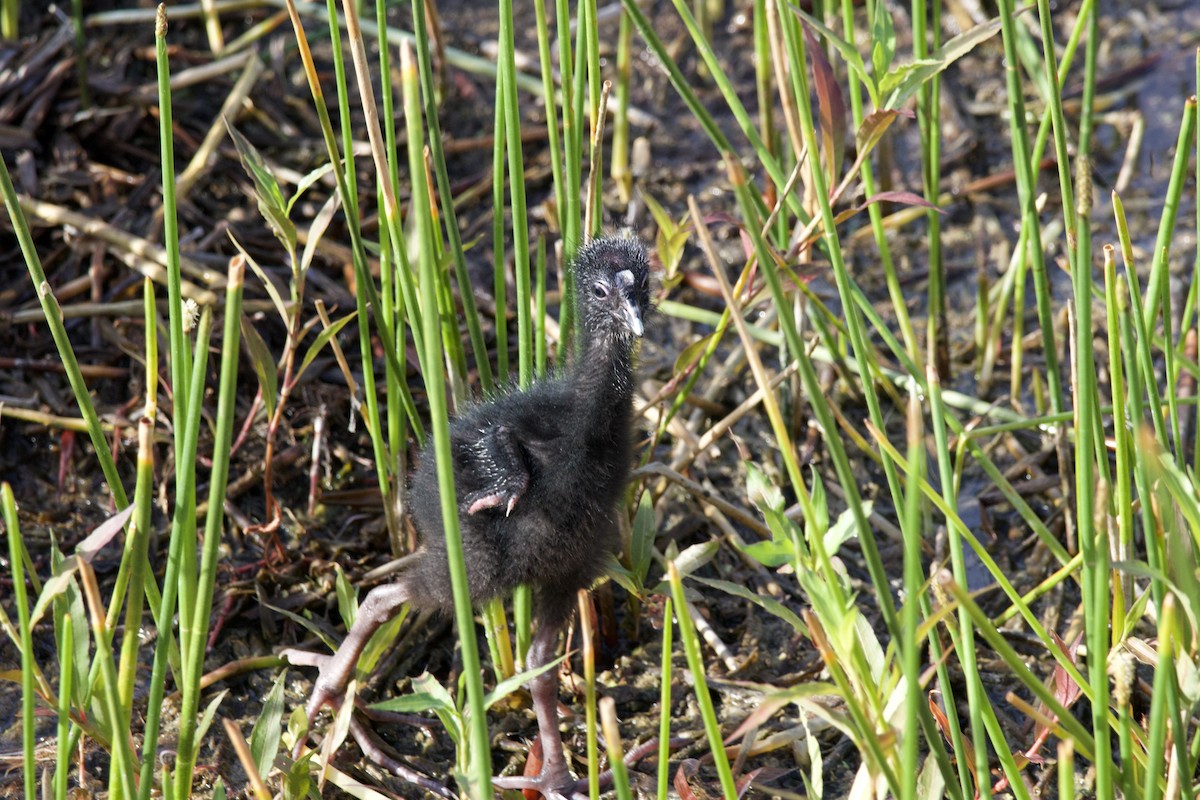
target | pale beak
[
  {"x": 633, "y": 319},
  {"x": 629, "y": 311}
]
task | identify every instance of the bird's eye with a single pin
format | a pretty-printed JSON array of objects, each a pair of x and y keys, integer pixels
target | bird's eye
[{"x": 599, "y": 290}]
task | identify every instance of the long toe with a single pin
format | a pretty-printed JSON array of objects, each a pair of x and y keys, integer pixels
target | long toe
[
  {"x": 327, "y": 689},
  {"x": 304, "y": 658},
  {"x": 549, "y": 788}
]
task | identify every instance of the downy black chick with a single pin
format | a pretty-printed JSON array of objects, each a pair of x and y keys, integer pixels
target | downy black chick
[{"x": 538, "y": 476}]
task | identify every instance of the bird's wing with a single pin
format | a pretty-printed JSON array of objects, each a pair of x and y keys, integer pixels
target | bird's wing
[{"x": 499, "y": 445}]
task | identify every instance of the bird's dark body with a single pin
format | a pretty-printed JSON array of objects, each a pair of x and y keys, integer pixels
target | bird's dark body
[
  {"x": 571, "y": 435},
  {"x": 538, "y": 476},
  {"x": 558, "y": 534}
]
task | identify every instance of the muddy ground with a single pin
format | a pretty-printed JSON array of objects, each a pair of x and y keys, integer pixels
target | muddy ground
[{"x": 102, "y": 161}]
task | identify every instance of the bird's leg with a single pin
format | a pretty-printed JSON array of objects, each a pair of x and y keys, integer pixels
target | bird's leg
[
  {"x": 382, "y": 603},
  {"x": 555, "y": 779},
  {"x": 544, "y": 689},
  {"x": 498, "y": 460}
]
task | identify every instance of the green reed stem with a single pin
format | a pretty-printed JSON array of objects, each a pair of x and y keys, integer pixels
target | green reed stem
[
  {"x": 1152, "y": 787},
  {"x": 553, "y": 141},
  {"x": 499, "y": 268},
  {"x": 1156, "y": 283},
  {"x": 664, "y": 704},
  {"x": 62, "y": 342},
  {"x": 137, "y": 543},
  {"x": 573, "y": 78},
  {"x": 453, "y": 237},
  {"x": 183, "y": 534},
  {"x": 619, "y": 168},
  {"x": 691, "y": 648},
  {"x": 1122, "y": 440},
  {"x": 193, "y": 648},
  {"x": 516, "y": 171},
  {"x": 1025, "y": 175},
  {"x": 1092, "y": 531},
  {"x": 66, "y": 686},
  {"x": 539, "y": 335},
  {"x": 123, "y": 763},
  {"x": 385, "y": 449},
  {"x": 8, "y": 506},
  {"x": 914, "y": 579},
  {"x": 178, "y": 341},
  {"x": 875, "y": 211},
  {"x": 479, "y": 751},
  {"x": 588, "y": 656},
  {"x": 929, "y": 115},
  {"x": 965, "y": 643}
]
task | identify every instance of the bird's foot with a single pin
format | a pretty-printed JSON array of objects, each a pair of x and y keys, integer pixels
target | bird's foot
[
  {"x": 559, "y": 785},
  {"x": 551, "y": 784},
  {"x": 328, "y": 690}
]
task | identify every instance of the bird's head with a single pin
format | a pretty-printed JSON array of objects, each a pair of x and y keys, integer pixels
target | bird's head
[{"x": 612, "y": 279}]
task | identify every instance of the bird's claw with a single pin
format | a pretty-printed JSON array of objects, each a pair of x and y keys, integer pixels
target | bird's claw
[
  {"x": 327, "y": 689},
  {"x": 501, "y": 498}
]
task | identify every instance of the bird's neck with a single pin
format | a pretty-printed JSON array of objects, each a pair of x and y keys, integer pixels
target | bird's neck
[{"x": 603, "y": 378}]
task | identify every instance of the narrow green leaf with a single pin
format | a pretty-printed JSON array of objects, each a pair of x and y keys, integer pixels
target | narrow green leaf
[
  {"x": 769, "y": 604},
  {"x": 268, "y": 728},
  {"x": 271, "y": 203},
  {"x": 843, "y": 530},
  {"x": 263, "y": 363},
  {"x": 509, "y": 685},
  {"x": 950, "y": 52},
  {"x": 670, "y": 253},
  {"x": 347, "y": 597},
  {"x": 692, "y": 353},
  {"x": 883, "y": 41},
  {"x": 412, "y": 703},
  {"x": 323, "y": 339},
  {"x": 661, "y": 218},
  {"x": 773, "y": 554},
  {"x": 268, "y": 283},
  {"x": 307, "y": 624},
  {"x": 307, "y": 181},
  {"x": 616, "y": 571},
  {"x": 317, "y": 228},
  {"x": 641, "y": 543},
  {"x": 760, "y": 490},
  {"x": 85, "y": 551},
  {"x": 920, "y": 71},
  {"x": 210, "y": 711},
  {"x": 381, "y": 642}
]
